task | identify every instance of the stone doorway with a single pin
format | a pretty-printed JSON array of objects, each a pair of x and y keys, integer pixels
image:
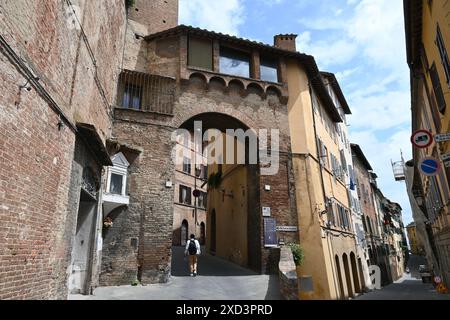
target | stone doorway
[
  {"x": 81, "y": 262},
  {"x": 184, "y": 232}
]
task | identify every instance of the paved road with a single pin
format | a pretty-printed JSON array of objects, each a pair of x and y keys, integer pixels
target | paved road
[
  {"x": 218, "y": 279},
  {"x": 407, "y": 288},
  {"x": 410, "y": 287}
]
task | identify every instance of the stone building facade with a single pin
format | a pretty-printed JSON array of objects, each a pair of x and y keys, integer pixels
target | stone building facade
[{"x": 221, "y": 101}]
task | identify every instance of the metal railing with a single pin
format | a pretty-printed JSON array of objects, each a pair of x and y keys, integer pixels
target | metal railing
[{"x": 146, "y": 92}]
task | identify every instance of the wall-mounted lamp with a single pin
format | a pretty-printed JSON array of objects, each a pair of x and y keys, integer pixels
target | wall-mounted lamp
[
  {"x": 27, "y": 86},
  {"x": 60, "y": 123}
]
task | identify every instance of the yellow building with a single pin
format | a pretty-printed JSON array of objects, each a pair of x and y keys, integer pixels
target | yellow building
[
  {"x": 414, "y": 242},
  {"x": 325, "y": 221},
  {"x": 428, "y": 40}
]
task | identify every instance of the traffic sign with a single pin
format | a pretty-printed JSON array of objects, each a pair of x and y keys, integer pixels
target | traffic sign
[
  {"x": 422, "y": 139},
  {"x": 445, "y": 157},
  {"x": 196, "y": 193},
  {"x": 442, "y": 137},
  {"x": 429, "y": 166}
]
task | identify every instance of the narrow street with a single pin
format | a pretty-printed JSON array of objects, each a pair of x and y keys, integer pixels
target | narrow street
[
  {"x": 410, "y": 287},
  {"x": 218, "y": 279}
]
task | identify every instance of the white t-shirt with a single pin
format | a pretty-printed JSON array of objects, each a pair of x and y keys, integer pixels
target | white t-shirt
[{"x": 197, "y": 244}]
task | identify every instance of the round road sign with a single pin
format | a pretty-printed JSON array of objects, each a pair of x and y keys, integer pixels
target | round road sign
[
  {"x": 429, "y": 166},
  {"x": 422, "y": 139},
  {"x": 196, "y": 193}
]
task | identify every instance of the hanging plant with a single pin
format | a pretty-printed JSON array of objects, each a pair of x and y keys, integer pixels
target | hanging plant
[
  {"x": 214, "y": 180},
  {"x": 129, "y": 4}
]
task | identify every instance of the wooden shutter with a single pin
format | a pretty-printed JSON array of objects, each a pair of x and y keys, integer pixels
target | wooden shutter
[{"x": 437, "y": 89}]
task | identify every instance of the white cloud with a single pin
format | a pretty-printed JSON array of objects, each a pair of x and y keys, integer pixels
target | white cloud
[
  {"x": 387, "y": 110},
  {"x": 322, "y": 23},
  {"x": 219, "y": 15},
  {"x": 327, "y": 53},
  {"x": 380, "y": 152},
  {"x": 377, "y": 26}
]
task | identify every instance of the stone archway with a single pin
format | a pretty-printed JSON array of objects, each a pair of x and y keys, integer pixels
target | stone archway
[
  {"x": 235, "y": 210},
  {"x": 339, "y": 274},
  {"x": 356, "y": 281},
  {"x": 202, "y": 233},
  {"x": 212, "y": 232},
  {"x": 348, "y": 277},
  {"x": 184, "y": 232},
  {"x": 152, "y": 181}
]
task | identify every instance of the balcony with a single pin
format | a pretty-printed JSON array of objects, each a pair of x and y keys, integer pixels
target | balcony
[{"x": 146, "y": 92}]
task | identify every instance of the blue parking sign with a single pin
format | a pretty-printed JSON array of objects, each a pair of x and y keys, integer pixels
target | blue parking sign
[{"x": 429, "y": 166}]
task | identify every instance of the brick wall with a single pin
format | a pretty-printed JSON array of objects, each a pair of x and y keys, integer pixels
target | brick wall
[
  {"x": 39, "y": 176},
  {"x": 157, "y": 15},
  {"x": 36, "y": 160}
]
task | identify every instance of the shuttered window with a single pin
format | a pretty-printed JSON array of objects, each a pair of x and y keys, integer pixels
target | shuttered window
[
  {"x": 200, "y": 54},
  {"x": 437, "y": 89},
  {"x": 443, "y": 53}
]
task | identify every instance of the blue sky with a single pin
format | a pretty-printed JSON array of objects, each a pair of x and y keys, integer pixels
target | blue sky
[{"x": 361, "y": 41}]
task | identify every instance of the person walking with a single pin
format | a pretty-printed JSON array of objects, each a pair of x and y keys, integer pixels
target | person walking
[{"x": 193, "y": 250}]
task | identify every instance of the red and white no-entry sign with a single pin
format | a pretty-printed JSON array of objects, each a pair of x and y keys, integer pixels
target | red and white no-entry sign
[{"x": 422, "y": 139}]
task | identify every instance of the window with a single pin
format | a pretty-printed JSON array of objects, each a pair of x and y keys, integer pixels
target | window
[
  {"x": 343, "y": 160},
  {"x": 437, "y": 89},
  {"x": 202, "y": 200},
  {"x": 117, "y": 175},
  {"x": 443, "y": 53},
  {"x": 325, "y": 157},
  {"x": 187, "y": 165},
  {"x": 116, "y": 183},
  {"x": 234, "y": 62},
  {"x": 200, "y": 54},
  {"x": 203, "y": 172},
  {"x": 185, "y": 195},
  {"x": 330, "y": 213},
  {"x": 269, "y": 70},
  {"x": 315, "y": 103},
  {"x": 364, "y": 223},
  {"x": 132, "y": 97}
]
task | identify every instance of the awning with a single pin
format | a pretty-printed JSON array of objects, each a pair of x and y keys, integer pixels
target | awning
[{"x": 91, "y": 138}]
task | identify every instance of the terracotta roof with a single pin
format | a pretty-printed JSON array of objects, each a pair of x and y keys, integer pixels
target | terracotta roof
[
  {"x": 306, "y": 60},
  {"x": 357, "y": 151},
  {"x": 338, "y": 90}
]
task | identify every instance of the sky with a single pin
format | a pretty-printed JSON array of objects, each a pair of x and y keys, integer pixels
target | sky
[{"x": 361, "y": 41}]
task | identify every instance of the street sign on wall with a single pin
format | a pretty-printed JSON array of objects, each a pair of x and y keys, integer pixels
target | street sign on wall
[
  {"x": 442, "y": 137},
  {"x": 445, "y": 157},
  {"x": 429, "y": 166},
  {"x": 422, "y": 139}
]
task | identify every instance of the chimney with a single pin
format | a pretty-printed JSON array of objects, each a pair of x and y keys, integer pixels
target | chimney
[
  {"x": 286, "y": 42},
  {"x": 156, "y": 15}
]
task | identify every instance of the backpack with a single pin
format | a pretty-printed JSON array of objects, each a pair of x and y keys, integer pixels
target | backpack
[{"x": 192, "y": 249}]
